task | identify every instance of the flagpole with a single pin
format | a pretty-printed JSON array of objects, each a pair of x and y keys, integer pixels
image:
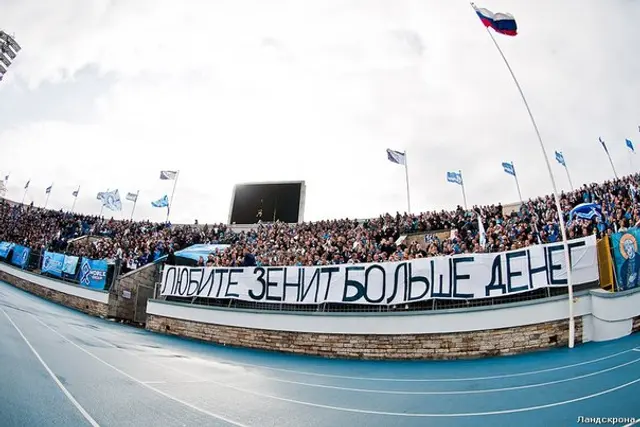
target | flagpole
[
  {"x": 515, "y": 175},
  {"x": 102, "y": 206},
  {"x": 568, "y": 176},
  {"x": 46, "y": 202},
  {"x": 172, "y": 193},
  {"x": 25, "y": 194},
  {"x": 464, "y": 194},
  {"x": 563, "y": 229},
  {"x": 75, "y": 198},
  {"x": 615, "y": 174},
  {"x": 134, "y": 204},
  {"x": 406, "y": 176}
]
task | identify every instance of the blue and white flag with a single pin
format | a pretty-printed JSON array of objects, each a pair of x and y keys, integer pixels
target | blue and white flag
[
  {"x": 396, "y": 156},
  {"x": 132, "y": 197},
  {"x": 161, "y": 203},
  {"x": 111, "y": 200},
  {"x": 509, "y": 168},
  {"x": 630, "y": 145},
  {"x": 27, "y": 184},
  {"x": 168, "y": 175},
  {"x": 75, "y": 193},
  {"x": 586, "y": 211},
  {"x": 48, "y": 190},
  {"x": 560, "y": 158},
  {"x": 455, "y": 177},
  {"x": 93, "y": 273}
]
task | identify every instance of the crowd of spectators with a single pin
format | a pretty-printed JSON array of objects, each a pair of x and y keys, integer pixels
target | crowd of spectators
[{"x": 327, "y": 242}]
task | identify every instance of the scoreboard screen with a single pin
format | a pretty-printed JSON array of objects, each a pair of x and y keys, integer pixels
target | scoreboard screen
[{"x": 268, "y": 202}]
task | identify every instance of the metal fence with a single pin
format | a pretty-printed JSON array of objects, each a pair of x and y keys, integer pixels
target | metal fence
[{"x": 429, "y": 305}]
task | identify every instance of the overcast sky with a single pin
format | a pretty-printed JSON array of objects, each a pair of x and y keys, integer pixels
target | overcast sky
[{"x": 106, "y": 93}]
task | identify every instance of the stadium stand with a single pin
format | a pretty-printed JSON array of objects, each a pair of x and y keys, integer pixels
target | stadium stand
[{"x": 325, "y": 242}]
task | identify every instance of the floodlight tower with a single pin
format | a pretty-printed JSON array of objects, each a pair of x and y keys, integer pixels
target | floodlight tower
[{"x": 8, "y": 52}]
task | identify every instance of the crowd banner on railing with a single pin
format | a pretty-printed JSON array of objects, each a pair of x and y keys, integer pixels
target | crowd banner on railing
[
  {"x": 20, "y": 256},
  {"x": 466, "y": 276},
  {"x": 70, "y": 264},
  {"x": 627, "y": 258},
  {"x": 93, "y": 273},
  {"x": 5, "y": 248},
  {"x": 52, "y": 263}
]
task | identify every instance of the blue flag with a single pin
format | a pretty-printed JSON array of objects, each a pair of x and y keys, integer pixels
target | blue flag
[
  {"x": 508, "y": 168},
  {"x": 586, "y": 211},
  {"x": 630, "y": 145},
  {"x": 560, "y": 159},
  {"x": 455, "y": 177},
  {"x": 161, "y": 203}
]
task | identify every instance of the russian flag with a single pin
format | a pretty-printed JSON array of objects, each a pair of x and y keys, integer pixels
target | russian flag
[{"x": 503, "y": 23}]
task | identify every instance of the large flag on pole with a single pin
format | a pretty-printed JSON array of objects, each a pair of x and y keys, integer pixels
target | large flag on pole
[
  {"x": 168, "y": 175},
  {"x": 75, "y": 193},
  {"x": 503, "y": 23},
  {"x": 560, "y": 159},
  {"x": 111, "y": 200},
  {"x": 48, "y": 190},
  {"x": 454, "y": 177},
  {"x": 396, "y": 156},
  {"x": 508, "y": 168},
  {"x": 132, "y": 197},
  {"x": 604, "y": 146},
  {"x": 630, "y": 145},
  {"x": 163, "y": 202}
]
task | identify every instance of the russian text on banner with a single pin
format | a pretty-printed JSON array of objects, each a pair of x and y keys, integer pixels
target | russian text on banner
[{"x": 468, "y": 276}]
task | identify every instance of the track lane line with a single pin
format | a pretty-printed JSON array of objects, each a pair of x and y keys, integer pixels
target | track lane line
[
  {"x": 142, "y": 383},
  {"x": 364, "y": 411},
  {"x": 364, "y": 390},
  {"x": 66, "y": 392},
  {"x": 107, "y": 328}
]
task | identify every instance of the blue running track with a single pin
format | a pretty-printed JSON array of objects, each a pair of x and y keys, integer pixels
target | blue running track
[{"x": 59, "y": 367}]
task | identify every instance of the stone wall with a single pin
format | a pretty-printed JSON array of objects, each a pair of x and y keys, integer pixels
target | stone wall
[
  {"x": 87, "y": 306},
  {"x": 128, "y": 297},
  {"x": 636, "y": 325},
  {"x": 457, "y": 345}
]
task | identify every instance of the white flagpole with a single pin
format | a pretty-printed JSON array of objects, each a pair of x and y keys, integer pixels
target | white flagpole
[
  {"x": 46, "y": 202},
  {"x": 134, "y": 204},
  {"x": 102, "y": 207},
  {"x": 563, "y": 230},
  {"x": 25, "y": 192},
  {"x": 406, "y": 174},
  {"x": 515, "y": 176},
  {"x": 464, "y": 194},
  {"x": 175, "y": 182},
  {"x": 75, "y": 198},
  {"x": 568, "y": 176}
]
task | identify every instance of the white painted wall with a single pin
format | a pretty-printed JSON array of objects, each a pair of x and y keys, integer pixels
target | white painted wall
[
  {"x": 612, "y": 314},
  {"x": 588, "y": 305},
  {"x": 57, "y": 285}
]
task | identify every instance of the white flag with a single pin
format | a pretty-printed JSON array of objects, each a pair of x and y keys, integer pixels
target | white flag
[
  {"x": 481, "y": 232},
  {"x": 132, "y": 197},
  {"x": 164, "y": 175},
  {"x": 111, "y": 200}
]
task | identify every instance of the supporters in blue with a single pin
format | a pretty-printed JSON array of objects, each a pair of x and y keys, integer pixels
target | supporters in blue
[{"x": 327, "y": 242}]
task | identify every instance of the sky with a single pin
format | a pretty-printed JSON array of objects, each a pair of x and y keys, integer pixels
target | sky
[{"x": 106, "y": 93}]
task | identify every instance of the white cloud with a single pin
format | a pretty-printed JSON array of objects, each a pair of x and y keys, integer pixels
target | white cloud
[{"x": 244, "y": 91}]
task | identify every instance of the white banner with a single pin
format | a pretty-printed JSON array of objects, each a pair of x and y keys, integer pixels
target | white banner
[{"x": 467, "y": 276}]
